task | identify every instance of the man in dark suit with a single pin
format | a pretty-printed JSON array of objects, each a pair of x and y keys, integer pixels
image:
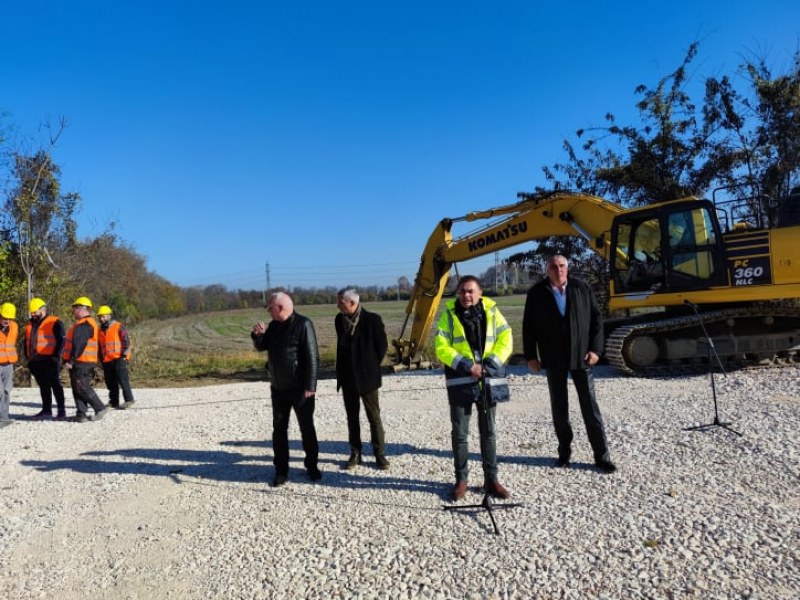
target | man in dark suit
[
  {"x": 360, "y": 348},
  {"x": 562, "y": 331}
]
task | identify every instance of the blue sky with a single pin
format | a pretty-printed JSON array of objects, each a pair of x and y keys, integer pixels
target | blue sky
[{"x": 328, "y": 138}]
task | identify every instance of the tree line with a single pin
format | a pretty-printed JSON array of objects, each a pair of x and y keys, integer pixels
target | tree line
[{"x": 742, "y": 142}]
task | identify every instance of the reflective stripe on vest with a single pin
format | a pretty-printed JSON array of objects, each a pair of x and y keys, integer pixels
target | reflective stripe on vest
[
  {"x": 8, "y": 344},
  {"x": 89, "y": 354},
  {"x": 491, "y": 381}
]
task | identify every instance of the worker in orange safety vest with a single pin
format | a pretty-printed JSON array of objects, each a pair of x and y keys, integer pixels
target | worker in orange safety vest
[
  {"x": 44, "y": 343},
  {"x": 9, "y": 330},
  {"x": 80, "y": 358},
  {"x": 115, "y": 352}
]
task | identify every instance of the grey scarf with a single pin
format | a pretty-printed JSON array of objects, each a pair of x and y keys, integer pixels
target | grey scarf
[{"x": 351, "y": 321}]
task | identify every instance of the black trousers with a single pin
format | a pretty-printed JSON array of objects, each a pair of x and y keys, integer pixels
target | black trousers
[
  {"x": 352, "y": 406},
  {"x": 46, "y": 373},
  {"x": 283, "y": 402},
  {"x": 115, "y": 373},
  {"x": 81, "y": 376},
  {"x": 592, "y": 419}
]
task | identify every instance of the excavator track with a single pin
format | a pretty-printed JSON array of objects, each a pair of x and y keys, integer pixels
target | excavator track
[{"x": 741, "y": 337}]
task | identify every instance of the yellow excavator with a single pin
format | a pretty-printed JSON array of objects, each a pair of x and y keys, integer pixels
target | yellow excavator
[{"x": 668, "y": 260}]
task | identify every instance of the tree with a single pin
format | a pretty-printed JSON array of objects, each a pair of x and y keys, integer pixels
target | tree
[
  {"x": 40, "y": 216},
  {"x": 676, "y": 151},
  {"x": 763, "y": 133}
]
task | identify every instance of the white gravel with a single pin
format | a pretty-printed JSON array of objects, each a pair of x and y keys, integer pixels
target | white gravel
[{"x": 170, "y": 499}]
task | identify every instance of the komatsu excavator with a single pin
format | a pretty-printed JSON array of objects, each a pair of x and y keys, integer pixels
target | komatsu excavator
[{"x": 663, "y": 258}]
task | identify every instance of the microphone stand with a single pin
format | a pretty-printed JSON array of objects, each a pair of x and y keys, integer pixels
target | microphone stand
[
  {"x": 483, "y": 417},
  {"x": 711, "y": 350}
]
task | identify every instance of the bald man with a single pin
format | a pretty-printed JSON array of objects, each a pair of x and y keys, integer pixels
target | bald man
[{"x": 292, "y": 364}]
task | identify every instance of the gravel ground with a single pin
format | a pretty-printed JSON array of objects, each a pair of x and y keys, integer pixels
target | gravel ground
[{"x": 171, "y": 499}]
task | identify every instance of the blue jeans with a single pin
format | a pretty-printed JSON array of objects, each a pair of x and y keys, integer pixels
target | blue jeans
[
  {"x": 6, "y": 385},
  {"x": 459, "y": 419}
]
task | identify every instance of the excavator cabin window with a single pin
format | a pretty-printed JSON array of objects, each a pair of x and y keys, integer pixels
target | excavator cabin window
[
  {"x": 674, "y": 248},
  {"x": 638, "y": 257}
]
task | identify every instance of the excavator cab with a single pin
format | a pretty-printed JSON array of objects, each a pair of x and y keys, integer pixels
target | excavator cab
[{"x": 674, "y": 247}]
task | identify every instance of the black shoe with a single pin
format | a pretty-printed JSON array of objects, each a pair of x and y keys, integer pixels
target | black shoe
[
  {"x": 79, "y": 418},
  {"x": 314, "y": 474},
  {"x": 100, "y": 414},
  {"x": 562, "y": 463},
  {"x": 43, "y": 415},
  {"x": 355, "y": 459},
  {"x": 381, "y": 462},
  {"x": 279, "y": 480},
  {"x": 606, "y": 466}
]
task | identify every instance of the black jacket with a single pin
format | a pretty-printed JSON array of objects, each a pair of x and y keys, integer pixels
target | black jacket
[
  {"x": 292, "y": 353},
  {"x": 562, "y": 341},
  {"x": 365, "y": 352}
]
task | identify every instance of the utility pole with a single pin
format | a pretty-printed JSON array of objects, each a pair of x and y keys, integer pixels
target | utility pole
[
  {"x": 496, "y": 262},
  {"x": 266, "y": 289}
]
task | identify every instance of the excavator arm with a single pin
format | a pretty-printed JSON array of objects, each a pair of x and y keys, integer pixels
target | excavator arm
[{"x": 534, "y": 217}]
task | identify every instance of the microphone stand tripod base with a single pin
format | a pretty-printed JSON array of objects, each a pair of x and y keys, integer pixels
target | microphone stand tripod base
[
  {"x": 487, "y": 504},
  {"x": 715, "y": 423}
]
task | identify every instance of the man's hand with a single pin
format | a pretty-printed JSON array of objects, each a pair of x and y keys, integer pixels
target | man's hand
[
  {"x": 591, "y": 358},
  {"x": 534, "y": 366},
  {"x": 259, "y": 328},
  {"x": 309, "y": 393},
  {"x": 476, "y": 371}
]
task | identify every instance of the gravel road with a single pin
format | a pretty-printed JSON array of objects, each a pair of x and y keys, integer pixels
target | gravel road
[{"x": 171, "y": 498}]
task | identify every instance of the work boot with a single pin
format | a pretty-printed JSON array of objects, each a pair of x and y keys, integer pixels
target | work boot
[
  {"x": 353, "y": 461},
  {"x": 459, "y": 491},
  {"x": 43, "y": 415},
  {"x": 381, "y": 462},
  {"x": 496, "y": 489},
  {"x": 61, "y": 416},
  {"x": 100, "y": 414}
]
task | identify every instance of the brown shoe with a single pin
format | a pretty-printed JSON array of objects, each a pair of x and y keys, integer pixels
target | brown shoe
[
  {"x": 496, "y": 489},
  {"x": 459, "y": 490}
]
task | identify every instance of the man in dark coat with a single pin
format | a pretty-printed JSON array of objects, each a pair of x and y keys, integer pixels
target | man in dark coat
[
  {"x": 562, "y": 331},
  {"x": 360, "y": 348},
  {"x": 293, "y": 363}
]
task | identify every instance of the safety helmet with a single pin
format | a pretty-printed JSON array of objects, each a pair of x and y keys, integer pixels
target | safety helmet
[
  {"x": 104, "y": 310},
  {"x": 35, "y": 304},
  {"x": 8, "y": 311},
  {"x": 82, "y": 301}
]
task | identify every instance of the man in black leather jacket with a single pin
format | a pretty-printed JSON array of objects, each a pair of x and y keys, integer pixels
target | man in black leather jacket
[{"x": 292, "y": 363}]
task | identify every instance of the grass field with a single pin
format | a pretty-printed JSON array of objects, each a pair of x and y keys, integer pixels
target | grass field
[{"x": 197, "y": 349}]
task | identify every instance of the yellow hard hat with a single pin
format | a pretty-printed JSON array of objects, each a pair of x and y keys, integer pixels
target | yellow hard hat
[
  {"x": 35, "y": 304},
  {"x": 8, "y": 311},
  {"x": 104, "y": 310},
  {"x": 82, "y": 301}
]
